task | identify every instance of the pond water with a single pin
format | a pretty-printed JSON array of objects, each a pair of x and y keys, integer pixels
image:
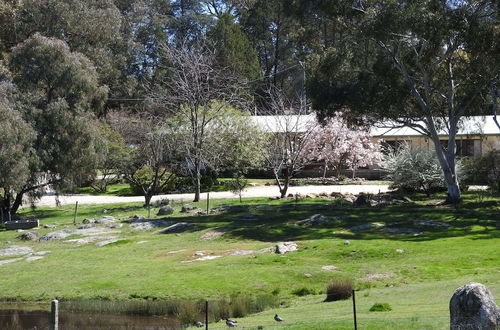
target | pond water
[{"x": 22, "y": 319}]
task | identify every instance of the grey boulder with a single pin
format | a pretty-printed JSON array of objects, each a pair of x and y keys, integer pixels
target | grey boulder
[
  {"x": 472, "y": 307},
  {"x": 29, "y": 236},
  {"x": 165, "y": 210}
]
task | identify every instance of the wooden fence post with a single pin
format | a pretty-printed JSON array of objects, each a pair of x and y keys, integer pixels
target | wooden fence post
[
  {"x": 208, "y": 203},
  {"x": 354, "y": 309},
  {"x": 76, "y": 212},
  {"x": 206, "y": 314},
  {"x": 54, "y": 315}
]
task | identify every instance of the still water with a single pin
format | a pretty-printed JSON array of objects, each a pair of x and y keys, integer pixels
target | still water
[{"x": 21, "y": 319}]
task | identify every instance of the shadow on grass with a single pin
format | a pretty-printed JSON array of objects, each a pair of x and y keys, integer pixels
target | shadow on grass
[{"x": 277, "y": 222}]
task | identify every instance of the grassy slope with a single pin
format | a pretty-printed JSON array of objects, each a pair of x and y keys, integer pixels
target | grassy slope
[{"x": 423, "y": 277}]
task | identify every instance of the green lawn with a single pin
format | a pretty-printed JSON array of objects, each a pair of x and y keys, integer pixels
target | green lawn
[{"x": 417, "y": 283}]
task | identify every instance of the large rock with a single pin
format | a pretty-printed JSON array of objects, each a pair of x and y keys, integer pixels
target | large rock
[
  {"x": 29, "y": 236},
  {"x": 165, "y": 210},
  {"x": 60, "y": 234},
  {"x": 15, "y": 251},
  {"x": 472, "y": 307},
  {"x": 188, "y": 208},
  {"x": 178, "y": 227},
  {"x": 145, "y": 224},
  {"x": 106, "y": 220},
  {"x": 317, "y": 220},
  {"x": 285, "y": 247}
]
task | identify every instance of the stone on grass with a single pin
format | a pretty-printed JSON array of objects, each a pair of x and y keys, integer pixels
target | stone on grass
[
  {"x": 115, "y": 225},
  {"x": 29, "y": 236},
  {"x": 431, "y": 223},
  {"x": 284, "y": 247},
  {"x": 251, "y": 252},
  {"x": 106, "y": 220},
  {"x": 88, "y": 220},
  {"x": 30, "y": 259},
  {"x": 178, "y": 227},
  {"x": 202, "y": 259},
  {"x": 15, "y": 250},
  {"x": 165, "y": 210},
  {"x": 85, "y": 240},
  {"x": 317, "y": 220},
  {"x": 330, "y": 268},
  {"x": 94, "y": 231},
  {"x": 86, "y": 226},
  {"x": 188, "y": 208},
  {"x": 144, "y": 224},
  {"x": 346, "y": 242},
  {"x": 60, "y": 234},
  {"x": 367, "y": 226},
  {"x": 42, "y": 253},
  {"x": 472, "y": 307},
  {"x": 400, "y": 251},
  {"x": 49, "y": 226}
]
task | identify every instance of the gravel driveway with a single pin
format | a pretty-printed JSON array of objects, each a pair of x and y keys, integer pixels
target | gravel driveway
[{"x": 260, "y": 191}]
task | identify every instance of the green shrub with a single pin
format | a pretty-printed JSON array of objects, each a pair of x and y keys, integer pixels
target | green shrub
[
  {"x": 414, "y": 170},
  {"x": 339, "y": 289},
  {"x": 483, "y": 170},
  {"x": 300, "y": 292},
  {"x": 381, "y": 307}
]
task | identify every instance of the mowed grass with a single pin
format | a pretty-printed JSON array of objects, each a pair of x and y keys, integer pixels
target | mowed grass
[{"x": 417, "y": 283}]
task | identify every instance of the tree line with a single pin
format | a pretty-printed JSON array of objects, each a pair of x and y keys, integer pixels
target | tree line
[{"x": 74, "y": 72}]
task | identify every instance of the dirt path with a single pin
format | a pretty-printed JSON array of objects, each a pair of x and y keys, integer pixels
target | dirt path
[{"x": 261, "y": 191}]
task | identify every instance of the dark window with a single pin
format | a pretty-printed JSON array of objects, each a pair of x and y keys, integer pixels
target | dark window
[{"x": 465, "y": 148}]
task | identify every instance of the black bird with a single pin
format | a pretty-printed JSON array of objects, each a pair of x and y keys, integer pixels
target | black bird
[
  {"x": 277, "y": 318},
  {"x": 231, "y": 323},
  {"x": 199, "y": 324}
]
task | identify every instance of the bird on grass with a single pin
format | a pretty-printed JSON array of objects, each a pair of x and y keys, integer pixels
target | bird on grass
[
  {"x": 277, "y": 318},
  {"x": 199, "y": 324},
  {"x": 231, "y": 323}
]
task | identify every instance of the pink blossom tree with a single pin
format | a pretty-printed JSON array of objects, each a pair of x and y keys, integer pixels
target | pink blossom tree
[{"x": 338, "y": 146}]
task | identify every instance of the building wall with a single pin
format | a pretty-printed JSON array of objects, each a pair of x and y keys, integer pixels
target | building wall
[{"x": 480, "y": 144}]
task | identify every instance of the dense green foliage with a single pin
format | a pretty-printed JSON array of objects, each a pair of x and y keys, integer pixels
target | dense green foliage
[
  {"x": 79, "y": 59},
  {"x": 484, "y": 170}
]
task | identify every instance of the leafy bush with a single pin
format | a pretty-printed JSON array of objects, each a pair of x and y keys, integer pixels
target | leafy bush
[
  {"x": 339, "y": 289},
  {"x": 144, "y": 176},
  {"x": 484, "y": 170},
  {"x": 381, "y": 307},
  {"x": 414, "y": 171}
]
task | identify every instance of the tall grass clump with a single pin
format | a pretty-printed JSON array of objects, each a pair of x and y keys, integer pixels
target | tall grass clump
[
  {"x": 339, "y": 289},
  {"x": 184, "y": 310}
]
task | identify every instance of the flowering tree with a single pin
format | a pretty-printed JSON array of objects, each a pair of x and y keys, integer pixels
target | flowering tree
[{"x": 338, "y": 146}]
